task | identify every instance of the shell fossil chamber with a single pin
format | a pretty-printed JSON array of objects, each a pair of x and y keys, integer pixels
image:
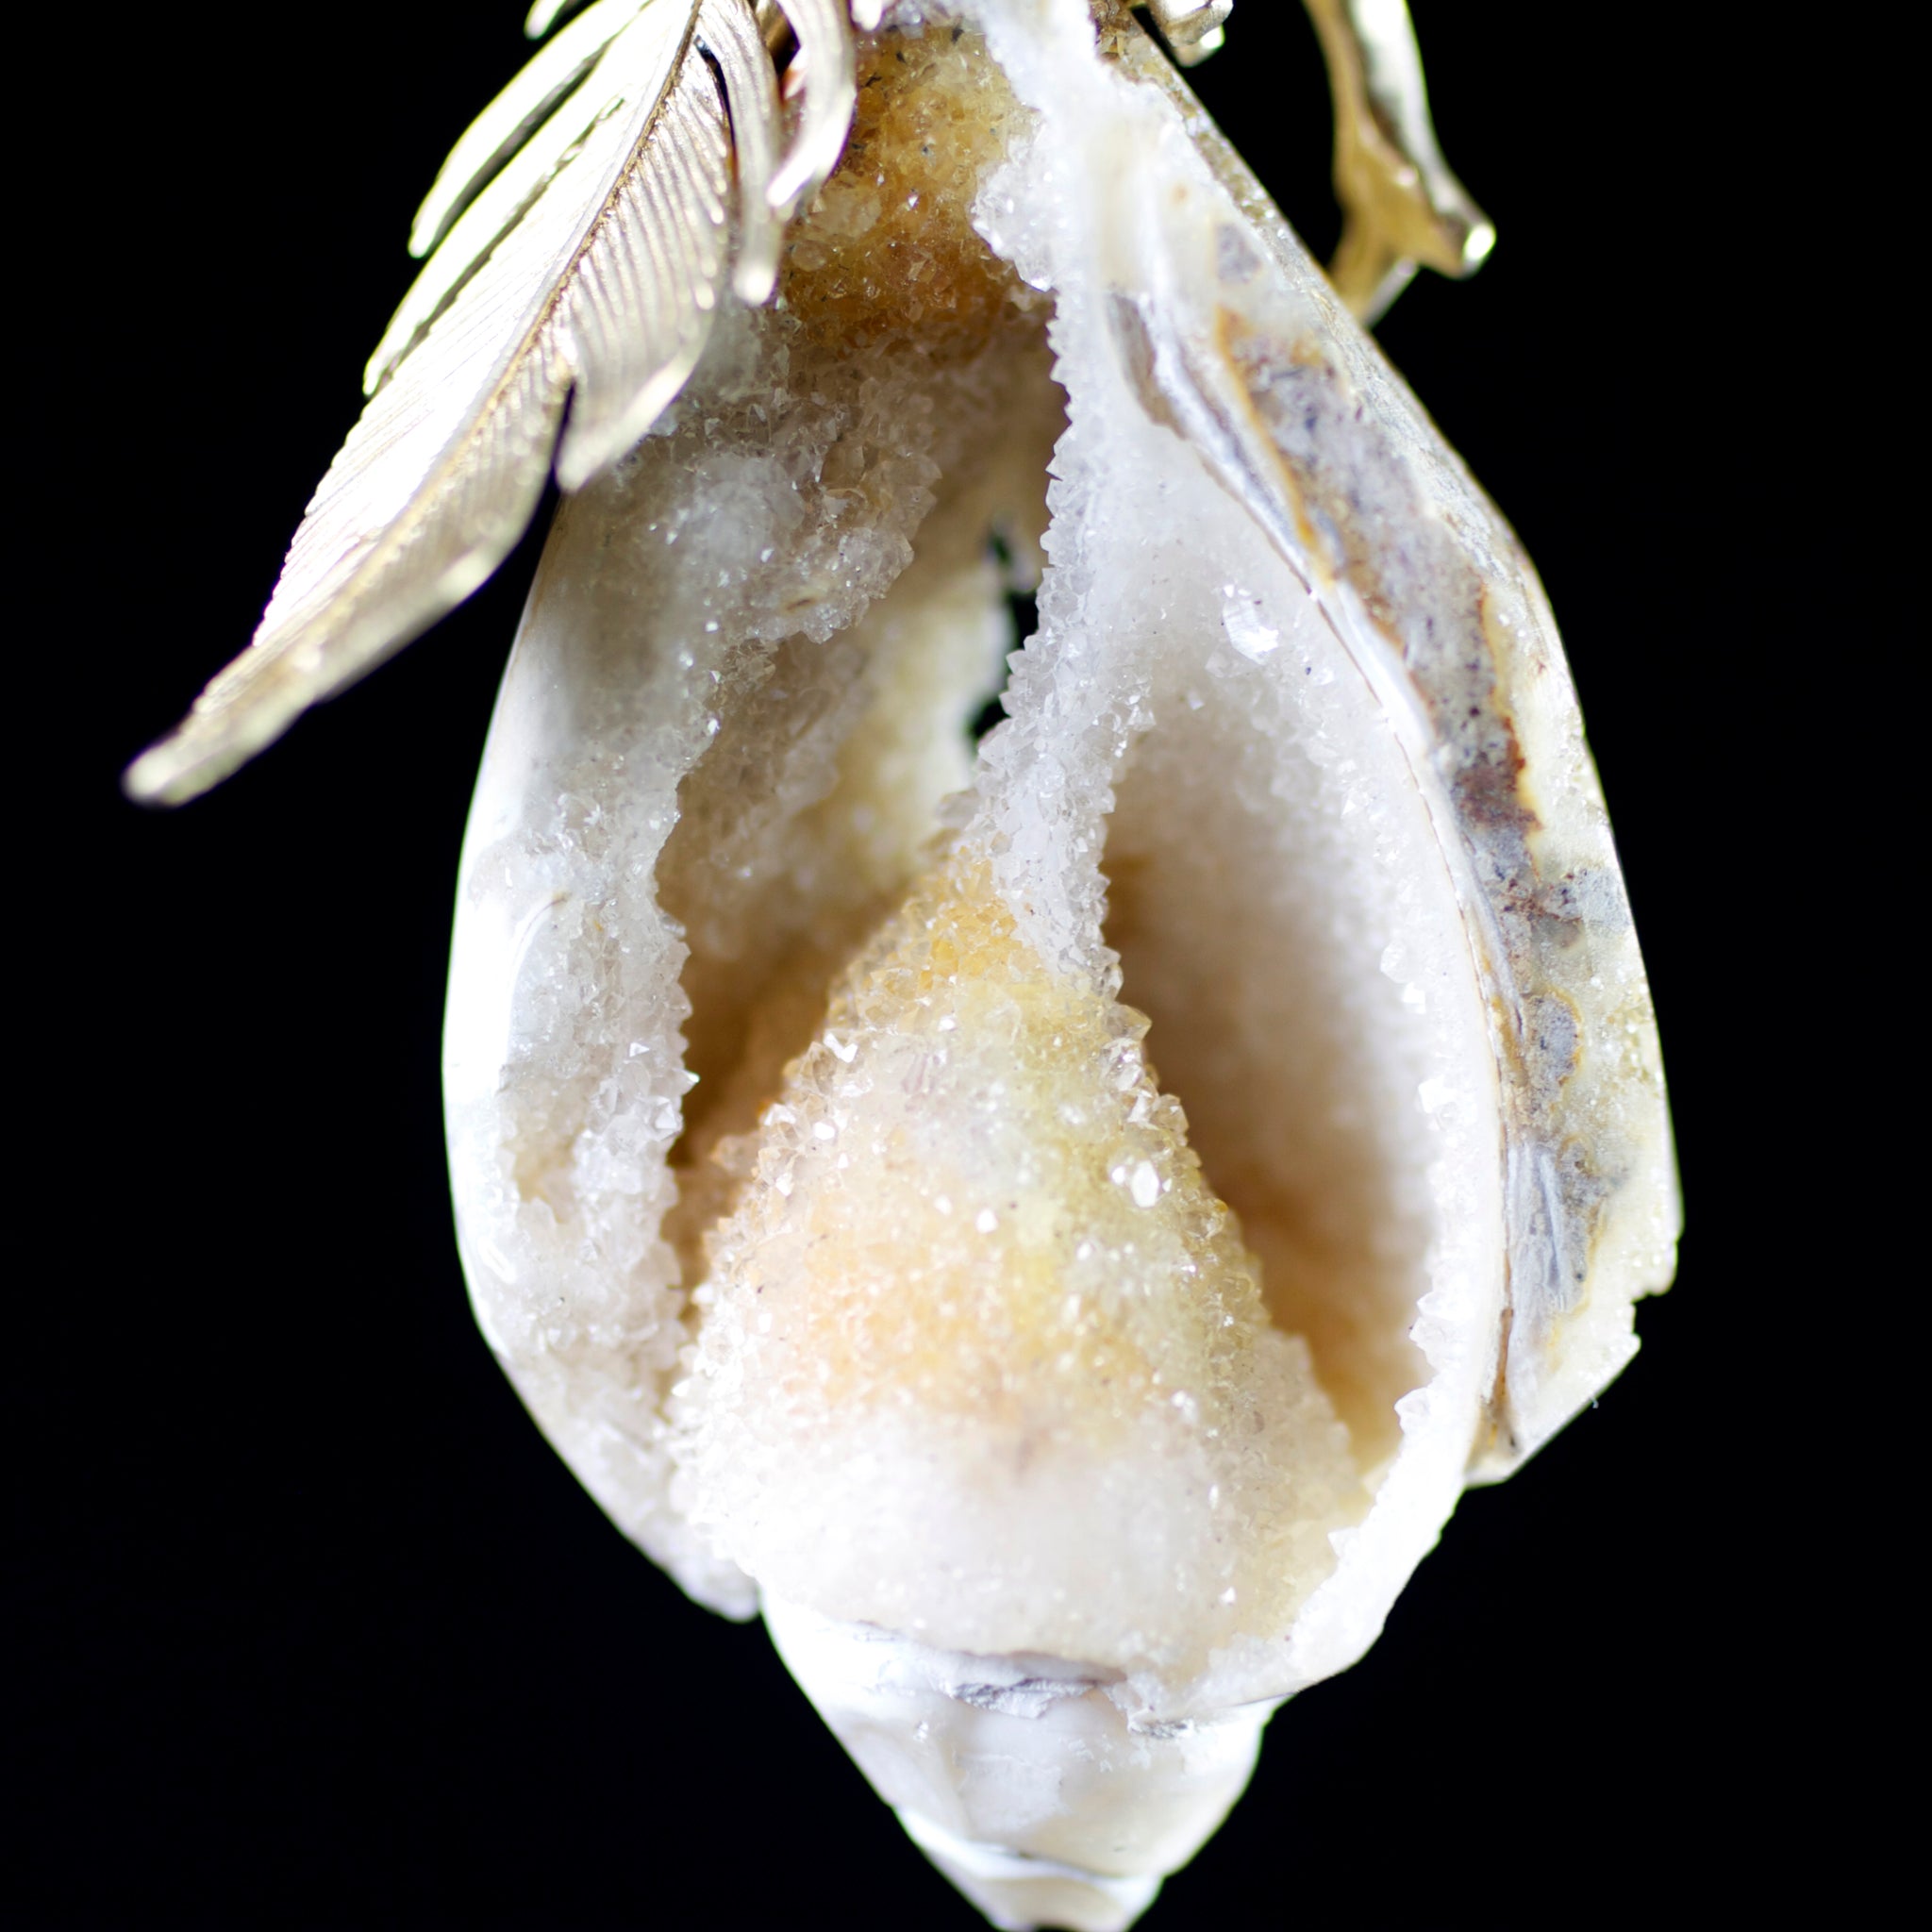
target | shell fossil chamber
[{"x": 1043, "y": 1171}]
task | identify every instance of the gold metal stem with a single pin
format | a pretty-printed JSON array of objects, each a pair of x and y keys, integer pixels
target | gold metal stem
[{"x": 1401, "y": 205}]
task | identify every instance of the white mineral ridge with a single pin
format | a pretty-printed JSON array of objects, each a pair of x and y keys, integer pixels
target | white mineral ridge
[{"x": 1291, "y": 767}]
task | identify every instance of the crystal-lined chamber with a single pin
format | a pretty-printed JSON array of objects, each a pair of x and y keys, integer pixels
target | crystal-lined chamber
[{"x": 1054, "y": 1222}]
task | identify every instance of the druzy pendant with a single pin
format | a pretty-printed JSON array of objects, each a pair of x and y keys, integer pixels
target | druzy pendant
[{"x": 1053, "y": 1216}]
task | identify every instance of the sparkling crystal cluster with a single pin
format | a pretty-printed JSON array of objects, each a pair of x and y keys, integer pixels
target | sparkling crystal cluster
[
  {"x": 815, "y": 1180},
  {"x": 983, "y": 1359}
]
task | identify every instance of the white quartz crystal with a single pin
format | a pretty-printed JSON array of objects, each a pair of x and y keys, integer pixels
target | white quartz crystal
[
  {"x": 1060, "y": 1226},
  {"x": 981, "y": 1357}
]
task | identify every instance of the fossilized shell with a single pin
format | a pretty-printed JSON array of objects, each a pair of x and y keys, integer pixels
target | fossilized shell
[{"x": 815, "y": 1178}]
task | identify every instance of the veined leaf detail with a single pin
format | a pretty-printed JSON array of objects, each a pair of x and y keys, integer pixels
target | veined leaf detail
[
  {"x": 545, "y": 14},
  {"x": 831, "y": 92},
  {"x": 501, "y": 130},
  {"x": 730, "y": 36},
  {"x": 569, "y": 300}
]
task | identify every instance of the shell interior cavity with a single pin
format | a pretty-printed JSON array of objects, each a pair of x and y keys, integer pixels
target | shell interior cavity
[{"x": 1056, "y": 1222}]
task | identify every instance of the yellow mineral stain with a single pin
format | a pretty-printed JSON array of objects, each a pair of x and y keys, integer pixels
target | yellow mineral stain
[
  {"x": 889, "y": 247},
  {"x": 973, "y": 1197}
]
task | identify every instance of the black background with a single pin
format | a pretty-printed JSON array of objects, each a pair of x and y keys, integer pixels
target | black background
[{"x": 319, "y": 1631}]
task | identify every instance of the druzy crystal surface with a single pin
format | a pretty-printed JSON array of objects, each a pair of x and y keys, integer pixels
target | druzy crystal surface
[
  {"x": 1058, "y": 1221},
  {"x": 977, "y": 1314}
]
